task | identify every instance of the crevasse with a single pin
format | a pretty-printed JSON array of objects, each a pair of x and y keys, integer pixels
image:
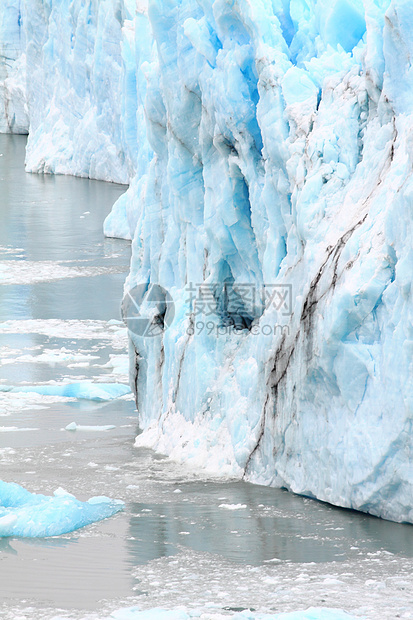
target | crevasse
[{"x": 268, "y": 148}]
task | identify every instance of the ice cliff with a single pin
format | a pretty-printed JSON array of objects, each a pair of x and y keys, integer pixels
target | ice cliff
[
  {"x": 13, "y": 108},
  {"x": 269, "y": 148}
]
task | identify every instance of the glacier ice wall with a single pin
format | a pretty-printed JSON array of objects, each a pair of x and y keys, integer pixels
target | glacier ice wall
[
  {"x": 269, "y": 147},
  {"x": 67, "y": 74},
  {"x": 13, "y": 108},
  {"x": 281, "y": 135}
]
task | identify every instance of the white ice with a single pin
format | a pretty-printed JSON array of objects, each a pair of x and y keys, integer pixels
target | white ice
[
  {"x": 79, "y": 427},
  {"x": 28, "y": 272},
  {"x": 180, "y": 614}
]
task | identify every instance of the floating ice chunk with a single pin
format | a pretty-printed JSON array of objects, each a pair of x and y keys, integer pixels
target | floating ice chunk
[
  {"x": 100, "y": 499},
  {"x": 60, "y": 492},
  {"x": 310, "y": 614},
  {"x": 32, "y": 272},
  {"x": 85, "y": 390},
  {"x": 33, "y": 515},
  {"x": 49, "y": 356},
  {"x": 233, "y": 506},
  {"x": 77, "y": 427},
  {"x": 70, "y": 329},
  {"x": 134, "y": 613},
  {"x": 149, "y": 614},
  {"x": 15, "y": 429}
]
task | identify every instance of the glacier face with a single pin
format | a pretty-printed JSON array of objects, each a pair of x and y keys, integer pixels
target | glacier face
[
  {"x": 281, "y": 137},
  {"x": 13, "y": 108},
  {"x": 268, "y": 144},
  {"x": 69, "y": 73}
]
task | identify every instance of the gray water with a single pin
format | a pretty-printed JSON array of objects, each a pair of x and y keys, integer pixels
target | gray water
[{"x": 177, "y": 540}]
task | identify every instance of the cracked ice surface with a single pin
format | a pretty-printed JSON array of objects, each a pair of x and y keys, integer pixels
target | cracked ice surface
[{"x": 267, "y": 143}]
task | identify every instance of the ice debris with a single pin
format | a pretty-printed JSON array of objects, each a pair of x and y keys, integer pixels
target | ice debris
[
  {"x": 31, "y": 515},
  {"x": 83, "y": 390}
]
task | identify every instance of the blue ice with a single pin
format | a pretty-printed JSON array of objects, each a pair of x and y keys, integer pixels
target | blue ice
[
  {"x": 84, "y": 390},
  {"x": 31, "y": 515},
  {"x": 134, "y": 613}
]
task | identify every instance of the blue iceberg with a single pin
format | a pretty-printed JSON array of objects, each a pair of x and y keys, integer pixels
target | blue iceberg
[
  {"x": 31, "y": 515},
  {"x": 83, "y": 390}
]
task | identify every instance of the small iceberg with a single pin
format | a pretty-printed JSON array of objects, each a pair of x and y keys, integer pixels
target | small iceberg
[
  {"x": 77, "y": 427},
  {"x": 32, "y": 515},
  {"x": 135, "y": 613},
  {"x": 85, "y": 389}
]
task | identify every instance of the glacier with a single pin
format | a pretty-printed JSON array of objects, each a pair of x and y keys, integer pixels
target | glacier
[
  {"x": 31, "y": 515},
  {"x": 267, "y": 147},
  {"x": 13, "y": 105}
]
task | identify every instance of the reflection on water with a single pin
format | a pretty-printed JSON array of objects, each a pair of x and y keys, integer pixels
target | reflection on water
[
  {"x": 77, "y": 298},
  {"x": 46, "y": 218},
  {"x": 285, "y": 527},
  {"x": 54, "y": 218},
  {"x": 273, "y": 526},
  {"x": 5, "y": 546},
  {"x": 73, "y": 572},
  {"x": 237, "y": 535}
]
